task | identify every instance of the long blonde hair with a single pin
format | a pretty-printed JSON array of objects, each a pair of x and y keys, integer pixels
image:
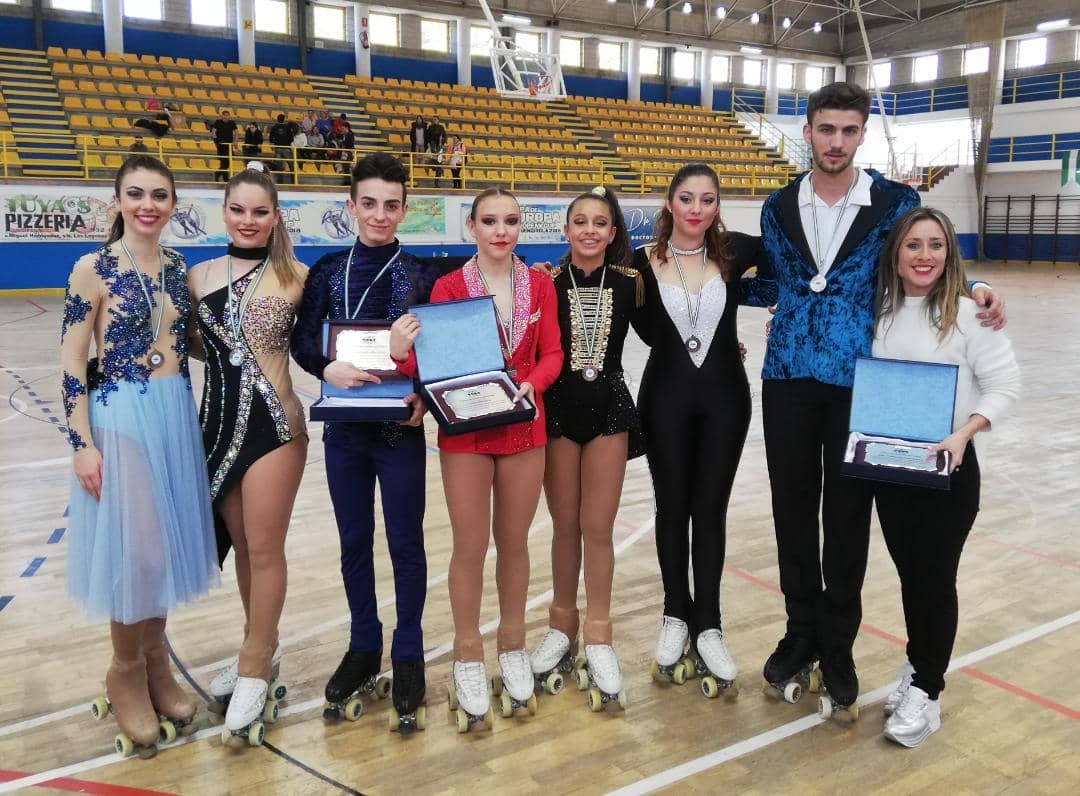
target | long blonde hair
[
  {"x": 282, "y": 257},
  {"x": 943, "y": 300}
]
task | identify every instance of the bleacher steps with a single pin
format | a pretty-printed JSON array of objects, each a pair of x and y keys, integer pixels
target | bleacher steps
[
  {"x": 620, "y": 174},
  {"x": 339, "y": 98}
]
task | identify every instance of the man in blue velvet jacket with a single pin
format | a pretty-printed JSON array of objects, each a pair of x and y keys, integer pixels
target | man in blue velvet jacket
[
  {"x": 373, "y": 280},
  {"x": 822, "y": 235}
]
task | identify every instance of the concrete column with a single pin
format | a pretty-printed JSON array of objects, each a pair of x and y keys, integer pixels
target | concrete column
[
  {"x": 362, "y": 42},
  {"x": 998, "y": 67},
  {"x": 705, "y": 78},
  {"x": 245, "y": 31},
  {"x": 772, "y": 93},
  {"x": 840, "y": 74},
  {"x": 464, "y": 52},
  {"x": 112, "y": 17},
  {"x": 633, "y": 71}
]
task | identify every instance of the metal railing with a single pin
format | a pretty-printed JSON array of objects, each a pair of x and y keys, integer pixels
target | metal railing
[{"x": 796, "y": 152}]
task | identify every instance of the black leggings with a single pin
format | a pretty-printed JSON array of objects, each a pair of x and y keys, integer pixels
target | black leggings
[
  {"x": 693, "y": 440},
  {"x": 925, "y": 531}
]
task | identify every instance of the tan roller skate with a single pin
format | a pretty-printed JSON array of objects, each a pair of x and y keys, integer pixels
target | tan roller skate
[
  {"x": 176, "y": 709},
  {"x": 127, "y": 697}
]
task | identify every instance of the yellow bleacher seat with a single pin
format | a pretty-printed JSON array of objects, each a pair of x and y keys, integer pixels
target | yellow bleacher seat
[
  {"x": 73, "y": 103},
  {"x": 127, "y": 89},
  {"x": 165, "y": 60},
  {"x": 188, "y": 144},
  {"x": 131, "y": 58},
  {"x": 61, "y": 67},
  {"x": 199, "y": 63},
  {"x": 99, "y": 70},
  {"x": 137, "y": 74},
  {"x": 177, "y": 164},
  {"x": 235, "y": 97},
  {"x": 183, "y": 63},
  {"x": 148, "y": 91},
  {"x": 79, "y": 120},
  {"x": 120, "y": 123},
  {"x": 111, "y": 56},
  {"x": 80, "y": 69},
  {"x": 106, "y": 87},
  {"x": 174, "y": 77},
  {"x": 217, "y": 95},
  {"x": 55, "y": 52},
  {"x": 93, "y": 161},
  {"x": 107, "y": 141},
  {"x": 148, "y": 59},
  {"x": 133, "y": 106},
  {"x": 75, "y": 53},
  {"x": 113, "y": 161},
  {"x": 112, "y": 104}
]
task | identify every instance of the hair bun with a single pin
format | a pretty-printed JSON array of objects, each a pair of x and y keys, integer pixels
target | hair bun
[{"x": 599, "y": 190}]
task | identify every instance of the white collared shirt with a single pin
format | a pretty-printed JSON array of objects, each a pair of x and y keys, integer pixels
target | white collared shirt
[{"x": 830, "y": 225}]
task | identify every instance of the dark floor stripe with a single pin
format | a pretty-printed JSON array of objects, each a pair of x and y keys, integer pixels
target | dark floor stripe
[
  {"x": 5, "y": 599},
  {"x": 34, "y": 565},
  {"x": 57, "y": 535}
]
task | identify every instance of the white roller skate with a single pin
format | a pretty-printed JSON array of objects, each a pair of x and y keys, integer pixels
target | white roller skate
[
  {"x": 469, "y": 696},
  {"x": 892, "y": 702},
  {"x": 602, "y": 677},
  {"x": 553, "y": 660},
  {"x": 714, "y": 664},
  {"x": 249, "y": 711},
  {"x": 672, "y": 664},
  {"x": 514, "y": 687},
  {"x": 223, "y": 685}
]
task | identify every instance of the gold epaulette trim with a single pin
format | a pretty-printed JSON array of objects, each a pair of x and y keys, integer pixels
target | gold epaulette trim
[
  {"x": 639, "y": 283},
  {"x": 558, "y": 269}
]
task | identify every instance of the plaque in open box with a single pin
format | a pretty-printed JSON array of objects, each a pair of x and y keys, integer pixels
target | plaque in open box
[
  {"x": 462, "y": 370},
  {"x": 365, "y": 345},
  {"x": 898, "y": 410}
]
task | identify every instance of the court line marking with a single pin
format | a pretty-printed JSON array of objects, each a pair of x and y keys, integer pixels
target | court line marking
[
  {"x": 698, "y": 765},
  {"x": 87, "y": 786},
  {"x": 214, "y": 731}
]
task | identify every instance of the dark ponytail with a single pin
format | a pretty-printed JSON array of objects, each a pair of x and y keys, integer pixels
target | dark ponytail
[{"x": 135, "y": 163}]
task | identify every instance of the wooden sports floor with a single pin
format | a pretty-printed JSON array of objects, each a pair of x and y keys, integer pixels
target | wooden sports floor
[{"x": 1011, "y": 718}]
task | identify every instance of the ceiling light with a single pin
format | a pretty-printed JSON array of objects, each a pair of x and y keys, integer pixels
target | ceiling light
[
  {"x": 1053, "y": 24},
  {"x": 721, "y": 12},
  {"x": 611, "y": 1},
  {"x": 817, "y": 27},
  {"x": 750, "y": 50},
  {"x": 687, "y": 8},
  {"x": 786, "y": 23},
  {"x": 513, "y": 19},
  {"x": 650, "y": 3},
  {"x": 755, "y": 18}
]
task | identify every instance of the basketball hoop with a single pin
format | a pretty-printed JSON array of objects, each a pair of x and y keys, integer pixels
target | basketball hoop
[{"x": 539, "y": 84}]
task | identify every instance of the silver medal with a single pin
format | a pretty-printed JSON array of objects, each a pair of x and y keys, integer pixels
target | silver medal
[
  {"x": 156, "y": 359},
  {"x": 236, "y": 357},
  {"x": 693, "y": 344},
  {"x": 818, "y": 283},
  {"x": 590, "y": 374}
]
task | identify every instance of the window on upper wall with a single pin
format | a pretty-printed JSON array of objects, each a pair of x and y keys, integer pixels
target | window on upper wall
[
  {"x": 785, "y": 76},
  {"x": 73, "y": 5},
  {"x": 435, "y": 35},
  {"x": 684, "y": 65},
  {"x": 480, "y": 40},
  {"x": 212, "y": 13},
  {"x": 721, "y": 69},
  {"x": 143, "y": 9},
  {"x": 1031, "y": 52},
  {"x": 649, "y": 61},
  {"x": 569, "y": 51},
  {"x": 883, "y": 74},
  {"x": 384, "y": 30},
  {"x": 751, "y": 72},
  {"x": 814, "y": 78},
  {"x": 329, "y": 22},
  {"x": 527, "y": 41},
  {"x": 9, "y": 2},
  {"x": 976, "y": 60},
  {"x": 924, "y": 68},
  {"x": 271, "y": 16},
  {"x": 609, "y": 56}
]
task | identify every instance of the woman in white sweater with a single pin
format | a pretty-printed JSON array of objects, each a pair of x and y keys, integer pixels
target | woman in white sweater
[{"x": 924, "y": 312}]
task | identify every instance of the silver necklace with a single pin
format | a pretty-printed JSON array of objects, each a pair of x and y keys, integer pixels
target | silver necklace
[
  {"x": 687, "y": 252},
  {"x": 154, "y": 358},
  {"x": 507, "y": 329},
  {"x": 591, "y": 372},
  {"x": 236, "y": 312},
  {"x": 819, "y": 282},
  {"x": 363, "y": 298},
  {"x": 693, "y": 309}
]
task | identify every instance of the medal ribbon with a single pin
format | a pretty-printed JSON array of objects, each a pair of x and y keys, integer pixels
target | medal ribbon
[
  {"x": 363, "y": 298},
  {"x": 589, "y": 334},
  {"x": 822, "y": 266},
  {"x": 155, "y": 329},
  {"x": 506, "y": 330},
  {"x": 692, "y": 310},
  {"x": 236, "y": 316}
]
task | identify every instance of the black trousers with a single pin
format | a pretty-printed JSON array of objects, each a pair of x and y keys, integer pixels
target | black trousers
[
  {"x": 925, "y": 531},
  {"x": 223, "y": 159},
  {"x": 806, "y": 428}
]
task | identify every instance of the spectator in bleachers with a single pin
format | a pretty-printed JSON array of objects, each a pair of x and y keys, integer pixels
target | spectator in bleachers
[
  {"x": 137, "y": 145},
  {"x": 316, "y": 144},
  {"x": 436, "y": 135},
  {"x": 418, "y": 135},
  {"x": 438, "y": 158},
  {"x": 160, "y": 124},
  {"x": 324, "y": 124},
  {"x": 458, "y": 152},
  {"x": 341, "y": 124},
  {"x": 281, "y": 139},
  {"x": 253, "y": 139},
  {"x": 224, "y": 132},
  {"x": 307, "y": 123}
]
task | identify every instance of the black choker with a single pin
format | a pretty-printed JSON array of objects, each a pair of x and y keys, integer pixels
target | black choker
[{"x": 242, "y": 253}]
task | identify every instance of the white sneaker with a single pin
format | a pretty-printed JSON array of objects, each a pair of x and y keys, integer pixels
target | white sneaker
[
  {"x": 517, "y": 674},
  {"x": 907, "y": 671},
  {"x": 714, "y": 653},
  {"x": 471, "y": 687},
  {"x": 604, "y": 668},
  {"x": 247, "y": 702},
  {"x": 671, "y": 644},
  {"x": 916, "y": 718},
  {"x": 554, "y": 646},
  {"x": 225, "y": 681}
]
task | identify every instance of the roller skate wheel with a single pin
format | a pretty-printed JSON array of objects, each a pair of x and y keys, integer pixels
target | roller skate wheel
[
  {"x": 278, "y": 690},
  {"x": 531, "y": 705},
  {"x": 733, "y": 689},
  {"x": 596, "y": 702},
  {"x": 270, "y": 712},
  {"x": 496, "y": 685},
  {"x": 331, "y": 712},
  {"x": 146, "y": 752},
  {"x": 489, "y": 717},
  {"x": 421, "y": 717},
  {"x": 226, "y": 736},
  {"x": 125, "y": 747},
  {"x": 709, "y": 687},
  {"x": 581, "y": 662},
  {"x": 506, "y": 707},
  {"x": 678, "y": 675},
  {"x": 354, "y": 709},
  {"x": 393, "y": 719},
  {"x": 624, "y": 701},
  {"x": 853, "y": 712},
  {"x": 582, "y": 680},
  {"x": 462, "y": 720},
  {"x": 825, "y": 707},
  {"x": 166, "y": 731},
  {"x": 451, "y": 698},
  {"x": 690, "y": 667},
  {"x": 99, "y": 708},
  {"x": 654, "y": 672},
  {"x": 553, "y": 683},
  {"x": 792, "y": 693},
  {"x": 256, "y": 733},
  {"x": 814, "y": 680},
  {"x": 382, "y": 687}
]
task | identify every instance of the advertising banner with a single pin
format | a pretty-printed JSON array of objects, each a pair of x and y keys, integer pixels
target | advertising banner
[{"x": 32, "y": 215}]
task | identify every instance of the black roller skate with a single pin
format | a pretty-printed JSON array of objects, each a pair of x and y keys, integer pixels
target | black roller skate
[
  {"x": 840, "y": 687},
  {"x": 409, "y": 713},
  {"x": 790, "y": 670},
  {"x": 356, "y": 674}
]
